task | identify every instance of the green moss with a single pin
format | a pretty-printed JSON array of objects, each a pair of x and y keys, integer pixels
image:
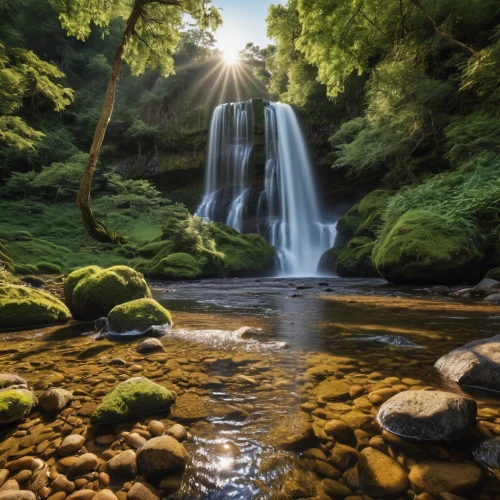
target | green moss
[
  {"x": 354, "y": 259},
  {"x": 15, "y": 404},
  {"x": 92, "y": 292},
  {"x": 326, "y": 264},
  {"x": 133, "y": 398},
  {"x": 22, "y": 307},
  {"x": 493, "y": 274},
  {"x": 138, "y": 315},
  {"x": 49, "y": 268},
  {"x": 176, "y": 266},
  {"x": 425, "y": 247}
]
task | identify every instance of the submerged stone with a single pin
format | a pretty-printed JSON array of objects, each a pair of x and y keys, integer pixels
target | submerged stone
[
  {"x": 15, "y": 404},
  {"x": 161, "y": 455},
  {"x": 55, "y": 399},
  {"x": 294, "y": 432},
  {"x": 427, "y": 415},
  {"x": 91, "y": 292},
  {"x": 138, "y": 315},
  {"x": 133, "y": 398},
  {"x": 22, "y": 307},
  {"x": 11, "y": 379}
]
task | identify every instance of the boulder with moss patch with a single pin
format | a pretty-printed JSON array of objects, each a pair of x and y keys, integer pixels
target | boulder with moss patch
[
  {"x": 177, "y": 266},
  {"x": 493, "y": 274},
  {"x": 424, "y": 247},
  {"x": 22, "y": 307},
  {"x": 354, "y": 260},
  {"x": 328, "y": 260},
  {"x": 15, "y": 404},
  {"x": 138, "y": 315},
  {"x": 133, "y": 398},
  {"x": 91, "y": 292}
]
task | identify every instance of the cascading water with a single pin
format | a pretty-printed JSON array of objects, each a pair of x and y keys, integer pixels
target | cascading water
[{"x": 287, "y": 212}]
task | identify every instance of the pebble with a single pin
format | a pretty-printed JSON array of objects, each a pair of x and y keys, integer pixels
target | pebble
[
  {"x": 143, "y": 491},
  {"x": 105, "y": 495},
  {"x": 82, "y": 495},
  {"x": 70, "y": 445},
  {"x": 84, "y": 463},
  {"x": 177, "y": 431},
  {"x": 17, "y": 495},
  {"x": 340, "y": 431},
  {"x": 155, "y": 428},
  {"x": 135, "y": 440},
  {"x": 124, "y": 463}
]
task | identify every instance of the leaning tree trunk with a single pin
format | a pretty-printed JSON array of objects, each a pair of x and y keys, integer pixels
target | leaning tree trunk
[{"x": 94, "y": 227}]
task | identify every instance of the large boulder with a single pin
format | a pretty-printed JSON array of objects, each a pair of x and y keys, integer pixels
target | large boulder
[
  {"x": 354, "y": 260},
  {"x": 177, "y": 266},
  {"x": 15, "y": 404},
  {"x": 22, "y": 307},
  {"x": 161, "y": 455},
  {"x": 485, "y": 287},
  {"x": 133, "y": 398},
  {"x": 138, "y": 315},
  {"x": 474, "y": 364},
  {"x": 326, "y": 264},
  {"x": 427, "y": 415},
  {"x": 424, "y": 247},
  {"x": 55, "y": 399},
  {"x": 91, "y": 292}
]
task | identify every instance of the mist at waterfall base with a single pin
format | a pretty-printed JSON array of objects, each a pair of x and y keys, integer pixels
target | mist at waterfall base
[{"x": 285, "y": 210}]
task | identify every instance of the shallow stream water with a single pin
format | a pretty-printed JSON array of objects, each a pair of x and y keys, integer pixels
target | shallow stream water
[{"x": 254, "y": 382}]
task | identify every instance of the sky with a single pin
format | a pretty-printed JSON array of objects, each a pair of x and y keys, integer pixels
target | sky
[{"x": 244, "y": 21}]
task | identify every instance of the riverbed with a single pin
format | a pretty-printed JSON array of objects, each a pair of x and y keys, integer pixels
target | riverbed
[{"x": 239, "y": 390}]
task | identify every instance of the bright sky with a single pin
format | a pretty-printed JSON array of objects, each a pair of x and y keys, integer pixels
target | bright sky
[{"x": 244, "y": 21}]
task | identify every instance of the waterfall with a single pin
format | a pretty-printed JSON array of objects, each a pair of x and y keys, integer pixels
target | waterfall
[{"x": 287, "y": 213}]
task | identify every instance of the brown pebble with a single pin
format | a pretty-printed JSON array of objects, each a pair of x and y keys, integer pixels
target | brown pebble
[{"x": 155, "y": 428}]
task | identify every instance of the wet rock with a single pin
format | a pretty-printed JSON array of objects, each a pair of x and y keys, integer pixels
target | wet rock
[
  {"x": 380, "y": 475},
  {"x": 427, "y": 415},
  {"x": 177, "y": 431},
  {"x": 493, "y": 298},
  {"x": 436, "y": 477},
  {"x": 332, "y": 390},
  {"x": 10, "y": 379},
  {"x": 118, "y": 362},
  {"x": 155, "y": 428},
  {"x": 381, "y": 395},
  {"x": 135, "y": 440},
  {"x": 356, "y": 419},
  {"x": 304, "y": 286},
  {"x": 474, "y": 364},
  {"x": 133, "y": 398},
  {"x": 17, "y": 495},
  {"x": 85, "y": 463},
  {"x": 161, "y": 455},
  {"x": 85, "y": 494},
  {"x": 62, "y": 483},
  {"x": 441, "y": 290},
  {"x": 300, "y": 484},
  {"x": 149, "y": 345},
  {"x": 70, "y": 445},
  {"x": 105, "y": 495},
  {"x": 344, "y": 457},
  {"x": 335, "y": 490},
  {"x": 101, "y": 323},
  {"x": 124, "y": 463},
  {"x": 55, "y": 399},
  {"x": 15, "y": 404},
  {"x": 138, "y": 315},
  {"x": 143, "y": 491},
  {"x": 33, "y": 281},
  {"x": 487, "y": 452},
  {"x": 294, "y": 432},
  {"x": 485, "y": 287}
]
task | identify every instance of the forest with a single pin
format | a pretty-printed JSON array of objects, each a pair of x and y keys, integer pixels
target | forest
[{"x": 260, "y": 270}]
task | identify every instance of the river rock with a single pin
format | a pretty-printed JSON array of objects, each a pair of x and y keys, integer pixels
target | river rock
[
  {"x": 149, "y": 345},
  {"x": 162, "y": 455},
  {"x": 155, "y": 428},
  {"x": 485, "y": 287},
  {"x": 488, "y": 453},
  {"x": 379, "y": 475},
  {"x": 124, "y": 463},
  {"x": 143, "y": 491},
  {"x": 294, "y": 432},
  {"x": 70, "y": 445},
  {"x": 335, "y": 490},
  {"x": 55, "y": 399},
  {"x": 105, "y": 495},
  {"x": 177, "y": 431},
  {"x": 441, "y": 290},
  {"x": 11, "y": 379},
  {"x": 17, "y": 495},
  {"x": 84, "y": 463},
  {"x": 427, "y": 415},
  {"x": 474, "y": 364},
  {"x": 340, "y": 431},
  {"x": 331, "y": 390},
  {"x": 15, "y": 404},
  {"x": 493, "y": 298},
  {"x": 435, "y": 477}
]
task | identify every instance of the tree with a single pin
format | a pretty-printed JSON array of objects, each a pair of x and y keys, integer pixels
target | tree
[{"x": 150, "y": 36}]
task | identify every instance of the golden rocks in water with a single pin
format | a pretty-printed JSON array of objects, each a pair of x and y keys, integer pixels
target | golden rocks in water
[
  {"x": 334, "y": 489},
  {"x": 340, "y": 431},
  {"x": 124, "y": 463},
  {"x": 380, "y": 475},
  {"x": 343, "y": 457},
  {"x": 381, "y": 395},
  {"x": 105, "y": 495},
  {"x": 356, "y": 419},
  {"x": 161, "y": 455},
  {"x": 332, "y": 390},
  {"x": 155, "y": 428},
  {"x": 70, "y": 445},
  {"x": 293, "y": 432}
]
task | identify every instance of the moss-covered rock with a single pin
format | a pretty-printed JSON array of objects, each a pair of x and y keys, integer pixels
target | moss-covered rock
[
  {"x": 15, "y": 404},
  {"x": 138, "y": 315},
  {"x": 424, "y": 247},
  {"x": 133, "y": 398},
  {"x": 177, "y": 266},
  {"x": 22, "y": 307},
  {"x": 493, "y": 274},
  {"x": 326, "y": 264},
  {"x": 354, "y": 259},
  {"x": 91, "y": 292},
  {"x": 244, "y": 254}
]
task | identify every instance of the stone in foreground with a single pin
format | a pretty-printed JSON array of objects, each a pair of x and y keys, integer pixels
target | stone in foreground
[
  {"x": 55, "y": 399},
  {"x": 380, "y": 476},
  {"x": 474, "y": 364},
  {"x": 427, "y": 415},
  {"x": 133, "y": 398},
  {"x": 161, "y": 455},
  {"x": 15, "y": 404}
]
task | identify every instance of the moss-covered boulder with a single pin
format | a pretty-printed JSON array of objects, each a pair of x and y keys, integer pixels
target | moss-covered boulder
[
  {"x": 22, "y": 307},
  {"x": 244, "y": 254},
  {"x": 138, "y": 315},
  {"x": 354, "y": 259},
  {"x": 91, "y": 292},
  {"x": 424, "y": 247},
  {"x": 177, "y": 266},
  {"x": 15, "y": 404},
  {"x": 493, "y": 274},
  {"x": 133, "y": 398},
  {"x": 326, "y": 264}
]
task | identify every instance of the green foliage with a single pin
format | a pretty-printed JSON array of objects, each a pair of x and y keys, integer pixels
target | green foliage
[
  {"x": 138, "y": 315},
  {"x": 133, "y": 398},
  {"x": 177, "y": 266},
  {"x": 22, "y": 307},
  {"x": 354, "y": 259}
]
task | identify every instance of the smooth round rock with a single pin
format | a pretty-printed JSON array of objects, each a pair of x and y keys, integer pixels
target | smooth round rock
[
  {"x": 340, "y": 431},
  {"x": 84, "y": 463},
  {"x": 149, "y": 345},
  {"x": 124, "y": 462},
  {"x": 436, "y": 477},
  {"x": 143, "y": 491},
  {"x": 105, "y": 495},
  {"x": 155, "y": 428},
  {"x": 10, "y": 380},
  {"x": 55, "y": 399},
  {"x": 427, "y": 415},
  {"x": 17, "y": 495},
  {"x": 177, "y": 431},
  {"x": 162, "y": 454},
  {"x": 380, "y": 475},
  {"x": 70, "y": 445}
]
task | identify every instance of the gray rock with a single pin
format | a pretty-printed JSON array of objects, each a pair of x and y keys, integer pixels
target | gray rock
[
  {"x": 486, "y": 286},
  {"x": 10, "y": 380},
  {"x": 441, "y": 290},
  {"x": 488, "y": 453},
  {"x": 474, "y": 364},
  {"x": 427, "y": 415},
  {"x": 70, "y": 445},
  {"x": 162, "y": 455},
  {"x": 149, "y": 345},
  {"x": 55, "y": 399},
  {"x": 494, "y": 298}
]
